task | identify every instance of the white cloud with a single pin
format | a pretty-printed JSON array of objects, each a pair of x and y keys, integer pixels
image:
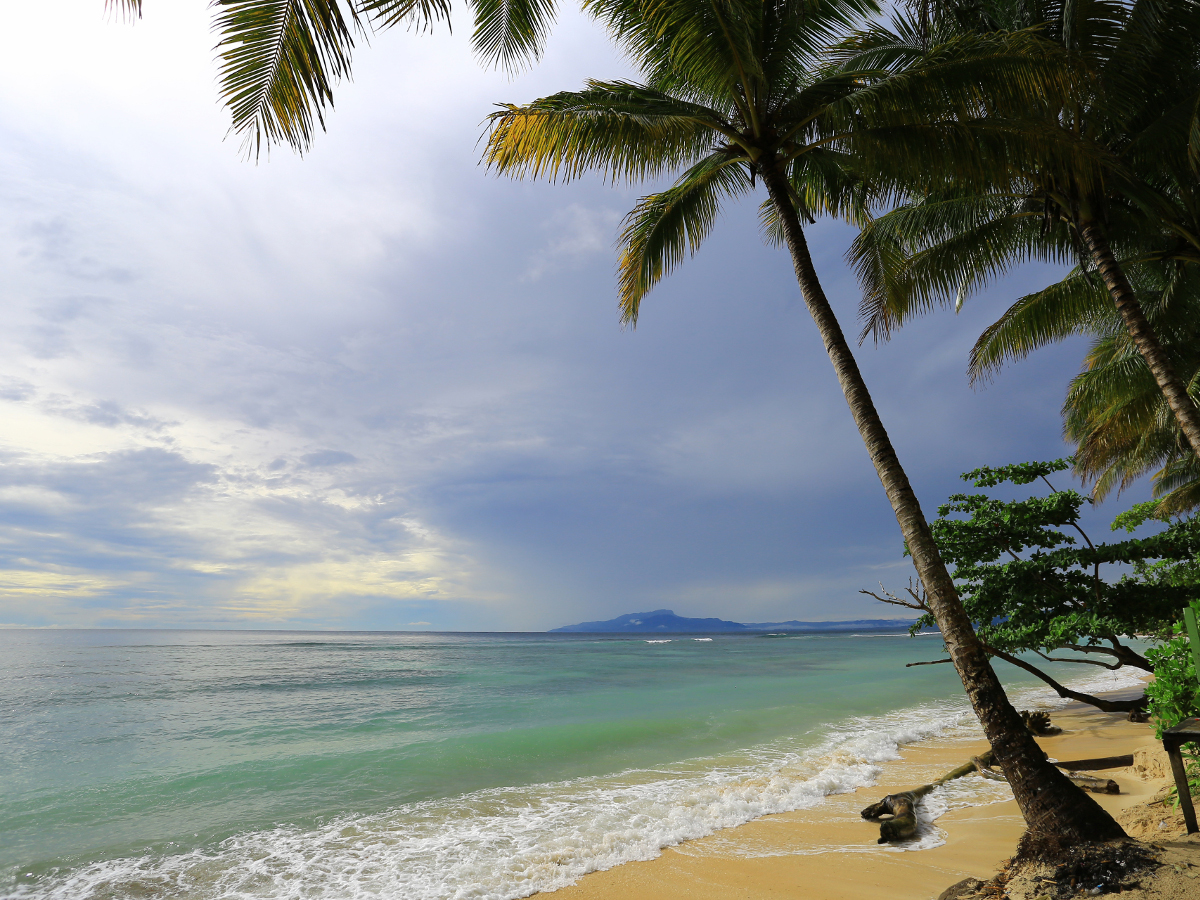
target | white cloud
[
  {"x": 378, "y": 386},
  {"x": 576, "y": 232}
]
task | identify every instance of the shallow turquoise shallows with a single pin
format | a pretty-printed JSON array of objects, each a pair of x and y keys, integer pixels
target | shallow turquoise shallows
[{"x": 194, "y": 764}]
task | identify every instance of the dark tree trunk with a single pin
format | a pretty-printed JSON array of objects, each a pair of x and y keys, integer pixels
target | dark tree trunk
[
  {"x": 1144, "y": 338},
  {"x": 1056, "y": 811}
]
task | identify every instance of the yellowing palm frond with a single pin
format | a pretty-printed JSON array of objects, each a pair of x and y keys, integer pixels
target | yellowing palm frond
[{"x": 621, "y": 130}]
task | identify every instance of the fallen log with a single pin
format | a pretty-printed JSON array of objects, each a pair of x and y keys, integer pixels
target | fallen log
[
  {"x": 1087, "y": 782},
  {"x": 1100, "y": 762},
  {"x": 1094, "y": 784},
  {"x": 902, "y": 807}
]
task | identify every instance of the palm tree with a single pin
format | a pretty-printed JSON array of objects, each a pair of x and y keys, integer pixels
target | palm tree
[
  {"x": 1116, "y": 183},
  {"x": 737, "y": 91},
  {"x": 1115, "y": 413},
  {"x": 280, "y": 59}
]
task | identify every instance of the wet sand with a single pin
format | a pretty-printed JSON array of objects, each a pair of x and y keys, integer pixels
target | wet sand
[{"x": 829, "y": 852}]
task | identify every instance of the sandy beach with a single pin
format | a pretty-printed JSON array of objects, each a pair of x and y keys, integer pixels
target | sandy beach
[{"x": 829, "y": 852}]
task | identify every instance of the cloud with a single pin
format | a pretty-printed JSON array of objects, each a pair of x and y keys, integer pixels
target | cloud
[
  {"x": 576, "y": 232},
  {"x": 322, "y": 459},
  {"x": 378, "y": 386},
  {"x": 131, "y": 536},
  {"x": 106, "y": 413}
]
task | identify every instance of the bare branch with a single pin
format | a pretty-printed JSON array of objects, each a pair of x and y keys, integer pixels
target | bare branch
[
  {"x": 913, "y": 590},
  {"x": 931, "y": 662},
  {"x": 1066, "y": 693},
  {"x": 1091, "y": 648},
  {"x": 1086, "y": 662}
]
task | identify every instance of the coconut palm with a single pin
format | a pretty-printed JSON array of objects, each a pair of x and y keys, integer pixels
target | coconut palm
[
  {"x": 739, "y": 91},
  {"x": 1116, "y": 185},
  {"x": 1114, "y": 411},
  {"x": 280, "y": 59}
]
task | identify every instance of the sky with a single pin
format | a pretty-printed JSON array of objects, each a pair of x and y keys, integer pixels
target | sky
[{"x": 378, "y": 387}]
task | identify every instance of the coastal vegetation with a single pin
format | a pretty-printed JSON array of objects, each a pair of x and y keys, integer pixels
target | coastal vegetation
[
  {"x": 738, "y": 92},
  {"x": 1035, "y": 582},
  {"x": 1174, "y": 694},
  {"x": 1107, "y": 178},
  {"x": 962, "y": 139}
]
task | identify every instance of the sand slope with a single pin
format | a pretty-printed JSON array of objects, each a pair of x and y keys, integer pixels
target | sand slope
[{"x": 829, "y": 853}]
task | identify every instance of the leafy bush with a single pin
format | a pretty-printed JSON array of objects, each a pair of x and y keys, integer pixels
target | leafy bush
[
  {"x": 1035, "y": 583},
  {"x": 1174, "y": 694}
]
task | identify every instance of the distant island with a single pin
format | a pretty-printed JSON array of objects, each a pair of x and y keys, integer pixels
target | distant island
[{"x": 665, "y": 620}]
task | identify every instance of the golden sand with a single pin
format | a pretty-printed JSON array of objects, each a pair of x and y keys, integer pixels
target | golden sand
[{"x": 829, "y": 852}]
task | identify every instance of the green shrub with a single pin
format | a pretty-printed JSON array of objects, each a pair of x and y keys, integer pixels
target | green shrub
[{"x": 1174, "y": 693}]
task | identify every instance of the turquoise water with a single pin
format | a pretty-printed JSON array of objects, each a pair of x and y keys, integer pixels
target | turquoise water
[{"x": 270, "y": 764}]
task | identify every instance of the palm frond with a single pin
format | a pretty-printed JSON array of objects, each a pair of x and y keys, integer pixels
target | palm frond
[
  {"x": 511, "y": 32},
  {"x": 621, "y": 130},
  {"x": 1115, "y": 412},
  {"x": 126, "y": 9},
  {"x": 1194, "y": 137},
  {"x": 879, "y": 47},
  {"x": 664, "y": 228},
  {"x": 419, "y": 14},
  {"x": 1071, "y": 306},
  {"x": 936, "y": 253},
  {"x": 279, "y": 60},
  {"x": 703, "y": 49}
]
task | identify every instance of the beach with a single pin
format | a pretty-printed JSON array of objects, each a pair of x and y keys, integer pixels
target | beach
[
  {"x": 273, "y": 766},
  {"x": 829, "y": 852}
]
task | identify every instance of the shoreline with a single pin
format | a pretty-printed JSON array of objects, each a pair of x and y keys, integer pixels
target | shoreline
[{"x": 828, "y": 852}]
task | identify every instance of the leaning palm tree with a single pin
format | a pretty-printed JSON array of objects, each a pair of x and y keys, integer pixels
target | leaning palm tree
[
  {"x": 1118, "y": 180},
  {"x": 739, "y": 91}
]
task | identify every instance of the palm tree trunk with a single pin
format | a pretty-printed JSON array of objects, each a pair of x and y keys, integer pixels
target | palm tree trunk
[
  {"x": 1144, "y": 338},
  {"x": 1057, "y": 813}
]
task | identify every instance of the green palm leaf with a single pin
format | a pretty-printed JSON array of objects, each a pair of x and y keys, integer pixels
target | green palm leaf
[
  {"x": 279, "y": 60},
  {"x": 666, "y": 227},
  {"x": 510, "y": 32},
  {"x": 925, "y": 255},
  {"x": 1072, "y": 306}
]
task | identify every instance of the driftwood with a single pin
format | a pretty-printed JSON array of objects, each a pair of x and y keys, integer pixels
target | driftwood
[
  {"x": 1100, "y": 762},
  {"x": 1094, "y": 784},
  {"x": 902, "y": 807},
  {"x": 1087, "y": 782},
  {"x": 1038, "y": 723}
]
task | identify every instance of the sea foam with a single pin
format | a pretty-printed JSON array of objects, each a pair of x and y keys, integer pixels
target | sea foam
[{"x": 507, "y": 843}]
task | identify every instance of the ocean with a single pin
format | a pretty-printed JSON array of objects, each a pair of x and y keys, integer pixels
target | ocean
[{"x": 239, "y": 764}]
